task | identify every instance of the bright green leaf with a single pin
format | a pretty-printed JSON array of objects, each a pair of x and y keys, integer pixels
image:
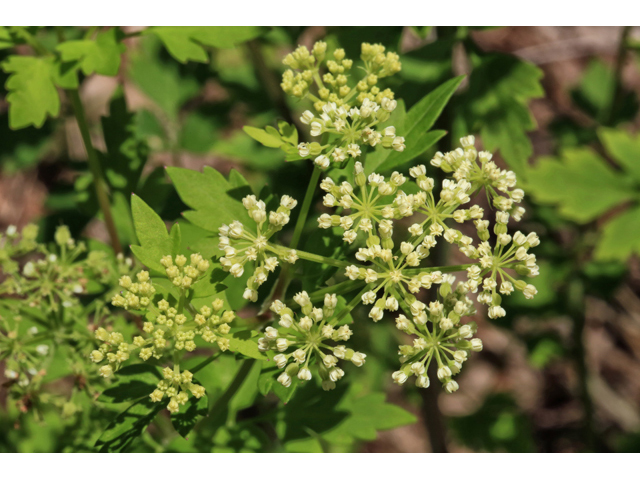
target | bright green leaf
[
  {"x": 581, "y": 184},
  {"x": 101, "y": 55},
  {"x": 245, "y": 342},
  {"x": 32, "y": 92},
  {"x": 213, "y": 199},
  {"x": 620, "y": 237},
  {"x": 624, "y": 148},
  {"x": 152, "y": 234},
  {"x": 190, "y": 414},
  {"x": 265, "y": 138},
  {"x": 132, "y": 383},
  {"x": 187, "y": 43}
]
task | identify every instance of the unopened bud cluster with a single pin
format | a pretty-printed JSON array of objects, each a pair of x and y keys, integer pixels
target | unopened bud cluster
[
  {"x": 171, "y": 327},
  {"x": 346, "y": 110},
  {"x": 56, "y": 276},
  {"x": 312, "y": 337},
  {"x": 176, "y": 387}
]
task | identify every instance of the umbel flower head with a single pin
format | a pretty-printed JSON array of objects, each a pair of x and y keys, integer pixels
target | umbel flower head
[
  {"x": 374, "y": 204},
  {"x": 348, "y": 111},
  {"x": 176, "y": 386},
  {"x": 369, "y": 205},
  {"x": 58, "y": 273},
  {"x": 312, "y": 337},
  {"x": 439, "y": 338},
  {"x": 171, "y": 327},
  {"x": 242, "y": 245}
]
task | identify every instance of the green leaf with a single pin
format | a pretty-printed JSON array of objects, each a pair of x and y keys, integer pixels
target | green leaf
[
  {"x": 339, "y": 417},
  {"x": 133, "y": 382},
  {"x": 101, "y": 55},
  {"x": 423, "y": 143},
  {"x": 186, "y": 43},
  {"x": 5, "y": 38},
  {"x": 190, "y": 414},
  {"x": 245, "y": 342},
  {"x": 126, "y": 151},
  {"x": 152, "y": 234},
  {"x": 620, "y": 237},
  {"x": 214, "y": 200},
  {"x": 496, "y": 105},
  {"x": 128, "y": 426},
  {"x": 415, "y": 128},
  {"x": 32, "y": 92},
  {"x": 265, "y": 138},
  {"x": 161, "y": 82},
  {"x": 424, "y": 114},
  {"x": 581, "y": 184},
  {"x": 624, "y": 148}
]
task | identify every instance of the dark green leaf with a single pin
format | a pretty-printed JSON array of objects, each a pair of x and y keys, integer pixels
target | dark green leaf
[
  {"x": 132, "y": 383},
  {"x": 128, "y": 426}
]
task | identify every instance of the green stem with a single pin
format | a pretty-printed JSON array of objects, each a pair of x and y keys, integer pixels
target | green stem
[
  {"x": 96, "y": 171},
  {"x": 220, "y": 407},
  {"x": 608, "y": 114},
  {"x": 445, "y": 269},
  {"x": 353, "y": 303},
  {"x": 312, "y": 257},
  {"x": 339, "y": 288},
  {"x": 304, "y": 210}
]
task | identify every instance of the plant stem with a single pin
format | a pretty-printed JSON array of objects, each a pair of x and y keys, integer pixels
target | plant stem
[
  {"x": 280, "y": 288},
  {"x": 220, "y": 407},
  {"x": 353, "y": 303},
  {"x": 96, "y": 171},
  {"x": 445, "y": 269},
  {"x": 339, "y": 288},
  {"x": 608, "y": 114},
  {"x": 312, "y": 257},
  {"x": 430, "y": 410},
  {"x": 304, "y": 210}
]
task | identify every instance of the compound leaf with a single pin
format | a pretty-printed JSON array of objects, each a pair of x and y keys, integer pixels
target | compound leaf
[
  {"x": 187, "y": 43},
  {"x": 624, "y": 148},
  {"x": 152, "y": 234},
  {"x": 101, "y": 55},
  {"x": 581, "y": 184},
  {"x": 32, "y": 91},
  {"x": 213, "y": 199},
  {"x": 620, "y": 237}
]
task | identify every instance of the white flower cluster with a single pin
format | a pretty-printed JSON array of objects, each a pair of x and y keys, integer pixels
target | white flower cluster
[
  {"x": 510, "y": 253},
  {"x": 353, "y": 127},
  {"x": 373, "y": 204},
  {"x": 308, "y": 338},
  {"x": 368, "y": 209},
  {"x": 439, "y": 337},
  {"x": 241, "y": 245},
  {"x": 467, "y": 164}
]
